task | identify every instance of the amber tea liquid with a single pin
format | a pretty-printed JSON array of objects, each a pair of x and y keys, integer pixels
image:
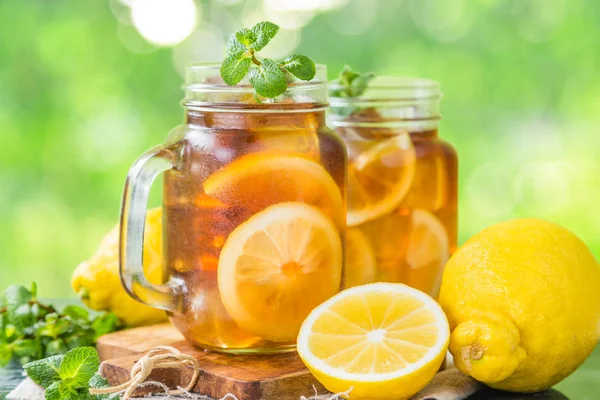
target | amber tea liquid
[
  {"x": 402, "y": 183},
  {"x": 250, "y": 163}
]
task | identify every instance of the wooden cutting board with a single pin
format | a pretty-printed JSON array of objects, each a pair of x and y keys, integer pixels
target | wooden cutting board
[{"x": 248, "y": 377}]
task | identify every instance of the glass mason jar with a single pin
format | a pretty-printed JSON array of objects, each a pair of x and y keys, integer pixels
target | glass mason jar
[
  {"x": 253, "y": 214},
  {"x": 402, "y": 182}
]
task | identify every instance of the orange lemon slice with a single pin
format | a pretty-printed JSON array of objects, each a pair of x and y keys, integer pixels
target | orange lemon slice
[
  {"x": 277, "y": 266},
  {"x": 361, "y": 265},
  {"x": 427, "y": 252},
  {"x": 379, "y": 178},
  {"x": 258, "y": 180},
  {"x": 375, "y": 341}
]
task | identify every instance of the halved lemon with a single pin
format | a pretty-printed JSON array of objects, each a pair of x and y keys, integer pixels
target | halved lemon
[
  {"x": 380, "y": 341},
  {"x": 277, "y": 266},
  {"x": 361, "y": 265},
  {"x": 379, "y": 178},
  {"x": 258, "y": 180},
  {"x": 428, "y": 252}
]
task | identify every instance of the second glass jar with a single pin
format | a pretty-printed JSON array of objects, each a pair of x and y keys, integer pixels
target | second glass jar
[{"x": 402, "y": 182}]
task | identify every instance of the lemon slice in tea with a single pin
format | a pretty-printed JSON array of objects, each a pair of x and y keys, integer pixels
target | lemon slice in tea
[
  {"x": 258, "y": 180},
  {"x": 427, "y": 252},
  {"x": 379, "y": 178},
  {"x": 361, "y": 265},
  {"x": 277, "y": 266}
]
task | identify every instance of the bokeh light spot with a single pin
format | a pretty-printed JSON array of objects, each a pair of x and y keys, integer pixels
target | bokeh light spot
[
  {"x": 444, "y": 21},
  {"x": 204, "y": 45},
  {"x": 539, "y": 20},
  {"x": 305, "y": 5},
  {"x": 288, "y": 18},
  {"x": 361, "y": 13},
  {"x": 164, "y": 22},
  {"x": 542, "y": 187}
]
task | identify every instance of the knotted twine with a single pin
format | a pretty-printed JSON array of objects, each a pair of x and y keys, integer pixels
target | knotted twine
[
  {"x": 170, "y": 357},
  {"x": 158, "y": 357}
]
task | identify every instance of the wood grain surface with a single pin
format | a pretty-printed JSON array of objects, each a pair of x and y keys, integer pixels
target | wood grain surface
[
  {"x": 136, "y": 341},
  {"x": 248, "y": 377}
]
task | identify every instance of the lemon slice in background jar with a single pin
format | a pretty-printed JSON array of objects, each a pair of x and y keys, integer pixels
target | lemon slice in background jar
[
  {"x": 277, "y": 266},
  {"x": 389, "y": 237},
  {"x": 377, "y": 341},
  {"x": 427, "y": 252},
  {"x": 258, "y": 180},
  {"x": 361, "y": 265},
  {"x": 379, "y": 178}
]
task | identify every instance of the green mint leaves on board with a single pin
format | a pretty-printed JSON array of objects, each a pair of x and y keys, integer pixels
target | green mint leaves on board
[
  {"x": 32, "y": 330},
  {"x": 269, "y": 78},
  {"x": 69, "y": 376},
  {"x": 350, "y": 83}
]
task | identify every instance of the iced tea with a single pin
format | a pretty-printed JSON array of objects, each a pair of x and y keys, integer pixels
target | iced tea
[
  {"x": 268, "y": 191},
  {"x": 402, "y": 183},
  {"x": 254, "y": 214}
]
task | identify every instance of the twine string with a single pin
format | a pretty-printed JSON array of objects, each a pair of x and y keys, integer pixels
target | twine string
[{"x": 157, "y": 358}]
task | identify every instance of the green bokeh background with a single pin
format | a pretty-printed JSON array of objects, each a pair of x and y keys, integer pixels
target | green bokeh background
[{"x": 82, "y": 94}]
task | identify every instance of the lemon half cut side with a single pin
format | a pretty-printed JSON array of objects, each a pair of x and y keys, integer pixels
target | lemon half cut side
[{"x": 379, "y": 340}]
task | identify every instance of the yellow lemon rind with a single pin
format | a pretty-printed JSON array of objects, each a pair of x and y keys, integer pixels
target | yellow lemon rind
[{"x": 432, "y": 356}]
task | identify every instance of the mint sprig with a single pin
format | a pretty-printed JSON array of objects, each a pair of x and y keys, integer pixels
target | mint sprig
[
  {"x": 350, "y": 83},
  {"x": 69, "y": 376},
  {"x": 31, "y": 330},
  {"x": 268, "y": 77}
]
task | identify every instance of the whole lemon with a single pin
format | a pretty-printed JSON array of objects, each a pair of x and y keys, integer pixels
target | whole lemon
[
  {"x": 523, "y": 301},
  {"x": 97, "y": 282}
]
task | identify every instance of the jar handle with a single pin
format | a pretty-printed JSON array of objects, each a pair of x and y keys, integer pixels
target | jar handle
[{"x": 168, "y": 296}]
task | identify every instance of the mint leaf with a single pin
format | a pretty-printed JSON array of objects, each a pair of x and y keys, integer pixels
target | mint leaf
[
  {"x": 360, "y": 83},
  {"x": 98, "y": 381},
  {"x": 27, "y": 348},
  {"x": 268, "y": 79},
  {"x": 235, "y": 67},
  {"x": 15, "y": 296},
  {"x": 346, "y": 75},
  {"x": 106, "y": 323},
  {"x": 79, "y": 366},
  {"x": 68, "y": 392},
  {"x": 301, "y": 66},
  {"x": 44, "y": 372},
  {"x": 22, "y": 317},
  {"x": 234, "y": 45},
  {"x": 246, "y": 37},
  {"x": 352, "y": 84},
  {"x": 76, "y": 313},
  {"x": 55, "y": 347},
  {"x": 53, "y": 392},
  {"x": 263, "y": 32}
]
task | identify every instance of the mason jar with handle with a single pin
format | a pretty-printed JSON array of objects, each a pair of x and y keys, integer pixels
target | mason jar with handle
[{"x": 253, "y": 214}]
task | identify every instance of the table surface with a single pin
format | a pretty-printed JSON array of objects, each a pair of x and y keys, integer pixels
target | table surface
[{"x": 584, "y": 384}]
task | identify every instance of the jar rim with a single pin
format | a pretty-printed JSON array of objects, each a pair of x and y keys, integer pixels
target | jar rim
[
  {"x": 204, "y": 88},
  {"x": 392, "y": 88}
]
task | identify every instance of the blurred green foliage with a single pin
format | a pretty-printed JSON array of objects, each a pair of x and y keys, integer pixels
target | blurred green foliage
[{"x": 82, "y": 95}]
